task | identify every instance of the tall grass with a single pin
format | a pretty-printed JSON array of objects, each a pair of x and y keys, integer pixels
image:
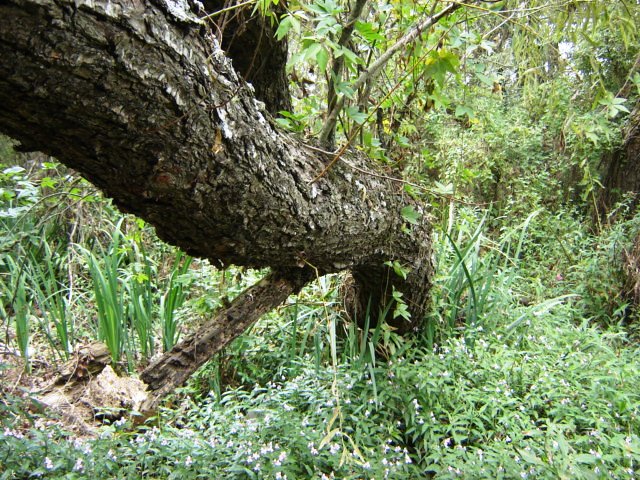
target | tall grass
[
  {"x": 172, "y": 300},
  {"x": 22, "y": 324},
  {"x": 51, "y": 297},
  {"x": 141, "y": 300},
  {"x": 475, "y": 276},
  {"x": 108, "y": 293},
  {"x": 37, "y": 294}
]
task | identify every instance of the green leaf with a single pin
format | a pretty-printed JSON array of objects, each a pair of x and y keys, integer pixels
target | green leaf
[
  {"x": 439, "y": 65},
  {"x": 13, "y": 170},
  {"x": 614, "y": 105},
  {"x": 585, "y": 458},
  {"x": 322, "y": 57},
  {"x": 488, "y": 81},
  {"x": 402, "y": 310},
  {"x": 344, "y": 88},
  {"x": 439, "y": 99},
  {"x": 357, "y": 116},
  {"x": 351, "y": 58},
  {"x": 636, "y": 80},
  {"x": 410, "y": 215},
  {"x": 530, "y": 457},
  {"x": 48, "y": 182},
  {"x": 311, "y": 51},
  {"x": 399, "y": 269},
  {"x": 443, "y": 189},
  {"x": 286, "y": 24},
  {"x": 367, "y": 32},
  {"x": 462, "y": 110}
]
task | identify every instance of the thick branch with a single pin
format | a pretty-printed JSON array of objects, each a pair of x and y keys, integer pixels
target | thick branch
[
  {"x": 174, "y": 367},
  {"x": 139, "y": 98}
]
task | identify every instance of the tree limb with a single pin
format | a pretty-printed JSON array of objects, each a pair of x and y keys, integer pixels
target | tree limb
[{"x": 173, "y": 368}]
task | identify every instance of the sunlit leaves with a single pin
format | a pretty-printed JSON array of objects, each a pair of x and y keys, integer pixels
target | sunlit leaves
[
  {"x": 441, "y": 63},
  {"x": 368, "y": 32},
  {"x": 613, "y": 105},
  {"x": 289, "y": 22}
]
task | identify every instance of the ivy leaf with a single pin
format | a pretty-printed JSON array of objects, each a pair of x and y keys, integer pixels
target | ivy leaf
[
  {"x": 410, "y": 215},
  {"x": 439, "y": 65}
]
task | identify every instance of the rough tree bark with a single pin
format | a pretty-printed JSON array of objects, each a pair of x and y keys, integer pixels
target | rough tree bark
[
  {"x": 622, "y": 166},
  {"x": 140, "y": 99}
]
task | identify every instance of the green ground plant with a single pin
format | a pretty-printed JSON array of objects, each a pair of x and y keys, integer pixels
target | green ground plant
[{"x": 499, "y": 121}]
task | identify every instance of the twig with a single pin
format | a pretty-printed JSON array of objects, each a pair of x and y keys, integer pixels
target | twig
[
  {"x": 374, "y": 69},
  {"x": 414, "y": 185},
  {"x": 228, "y": 9},
  {"x": 338, "y": 63}
]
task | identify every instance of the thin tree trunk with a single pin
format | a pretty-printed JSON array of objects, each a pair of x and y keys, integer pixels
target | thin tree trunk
[{"x": 622, "y": 168}]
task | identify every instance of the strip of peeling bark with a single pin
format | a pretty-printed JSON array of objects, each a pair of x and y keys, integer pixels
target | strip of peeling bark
[
  {"x": 138, "y": 97},
  {"x": 174, "y": 367}
]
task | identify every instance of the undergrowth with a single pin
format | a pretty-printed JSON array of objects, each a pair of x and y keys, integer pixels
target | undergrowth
[
  {"x": 525, "y": 367},
  {"x": 548, "y": 398}
]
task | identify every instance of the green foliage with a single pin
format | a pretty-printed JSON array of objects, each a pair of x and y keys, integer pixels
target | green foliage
[
  {"x": 499, "y": 117},
  {"x": 108, "y": 294},
  {"x": 172, "y": 300},
  {"x": 544, "y": 399}
]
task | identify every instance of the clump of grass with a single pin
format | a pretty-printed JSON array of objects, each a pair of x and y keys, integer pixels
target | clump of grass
[
  {"x": 547, "y": 399},
  {"x": 108, "y": 293},
  {"x": 172, "y": 300}
]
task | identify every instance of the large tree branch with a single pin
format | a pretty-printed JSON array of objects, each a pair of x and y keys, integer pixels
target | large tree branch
[
  {"x": 140, "y": 99},
  {"x": 174, "y": 367}
]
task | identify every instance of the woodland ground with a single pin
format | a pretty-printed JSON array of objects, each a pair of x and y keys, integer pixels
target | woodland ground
[{"x": 500, "y": 120}]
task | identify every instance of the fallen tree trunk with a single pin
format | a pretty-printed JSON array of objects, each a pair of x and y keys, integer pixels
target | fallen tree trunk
[
  {"x": 174, "y": 367},
  {"x": 140, "y": 99}
]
